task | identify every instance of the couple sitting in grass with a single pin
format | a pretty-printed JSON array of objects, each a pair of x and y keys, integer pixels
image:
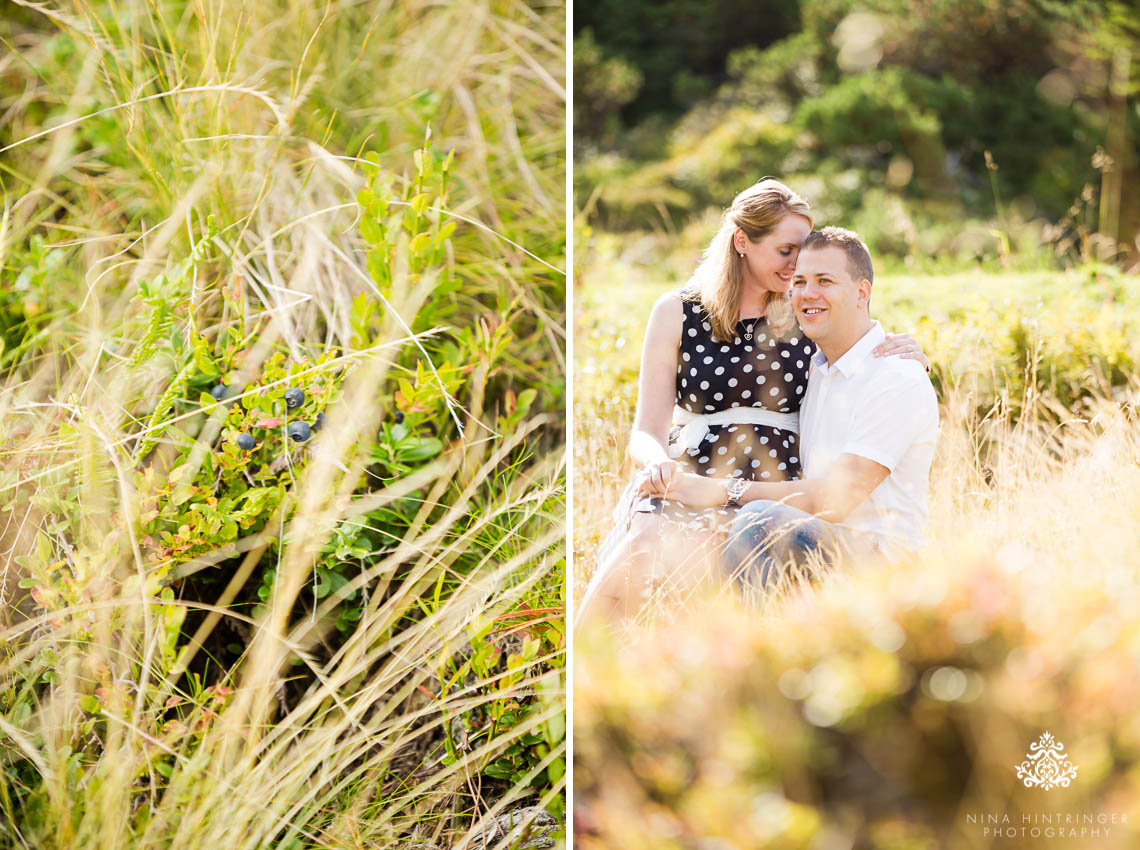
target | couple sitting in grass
[{"x": 775, "y": 435}]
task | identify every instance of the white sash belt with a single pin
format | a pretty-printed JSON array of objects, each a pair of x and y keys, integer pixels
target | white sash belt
[{"x": 695, "y": 426}]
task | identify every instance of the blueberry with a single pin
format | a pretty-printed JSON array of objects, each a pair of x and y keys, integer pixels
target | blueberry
[
  {"x": 245, "y": 441},
  {"x": 219, "y": 392},
  {"x": 299, "y": 431},
  {"x": 294, "y": 397},
  {"x": 319, "y": 422},
  {"x": 399, "y": 416}
]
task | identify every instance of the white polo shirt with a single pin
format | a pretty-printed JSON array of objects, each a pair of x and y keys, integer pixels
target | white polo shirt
[{"x": 883, "y": 409}]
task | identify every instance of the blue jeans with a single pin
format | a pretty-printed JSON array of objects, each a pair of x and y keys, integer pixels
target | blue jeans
[{"x": 771, "y": 542}]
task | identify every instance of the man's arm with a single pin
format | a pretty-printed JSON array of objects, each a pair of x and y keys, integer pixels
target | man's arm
[{"x": 847, "y": 484}]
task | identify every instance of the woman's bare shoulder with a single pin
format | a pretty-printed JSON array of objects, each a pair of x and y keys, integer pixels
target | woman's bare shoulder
[{"x": 668, "y": 311}]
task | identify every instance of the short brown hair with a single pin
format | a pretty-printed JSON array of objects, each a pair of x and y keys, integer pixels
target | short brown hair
[{"x": 858, "y": 257}]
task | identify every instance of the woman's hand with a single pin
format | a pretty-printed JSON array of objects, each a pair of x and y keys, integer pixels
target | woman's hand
[
  {"x": 902, "y": 345},
  {"x": 657, "y": 479}
]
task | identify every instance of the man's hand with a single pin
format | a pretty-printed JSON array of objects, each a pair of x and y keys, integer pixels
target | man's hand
[{"x": 699, "y": 491}]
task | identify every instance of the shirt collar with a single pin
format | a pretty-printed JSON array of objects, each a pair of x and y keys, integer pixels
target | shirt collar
[{"x": 852, "y": 360}]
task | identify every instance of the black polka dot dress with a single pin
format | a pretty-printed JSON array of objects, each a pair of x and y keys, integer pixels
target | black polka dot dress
[{"x": 755, "y": 369}]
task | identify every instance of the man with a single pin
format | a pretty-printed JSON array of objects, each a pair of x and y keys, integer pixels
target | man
[{"x": 868, "y": 427}]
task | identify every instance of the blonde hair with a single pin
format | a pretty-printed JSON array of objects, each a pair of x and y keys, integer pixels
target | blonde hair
[{"x": 718, "y": 280}]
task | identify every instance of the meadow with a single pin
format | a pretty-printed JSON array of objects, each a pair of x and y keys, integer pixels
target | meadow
[
  {"x": 282, "y": 485},
  {"x": 888, "y": 708}
]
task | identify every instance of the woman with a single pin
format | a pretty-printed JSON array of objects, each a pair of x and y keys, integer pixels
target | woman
[{"x": 725, "y": 364}]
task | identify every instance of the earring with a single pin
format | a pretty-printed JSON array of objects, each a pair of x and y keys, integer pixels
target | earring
[{"x": 741, "y": 253}]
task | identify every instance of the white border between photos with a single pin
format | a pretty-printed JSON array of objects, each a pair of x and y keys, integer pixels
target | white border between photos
[{"x": 569, "y": 424}]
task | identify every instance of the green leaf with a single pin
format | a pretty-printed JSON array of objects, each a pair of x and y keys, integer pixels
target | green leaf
[
  {"x": 370, "y": 231},
  {"x": 525, "y": 400},
  {"x": 254, "y": 501},
  {"x": 142, "y": 817},
  {"x": 43, "y": 547},
  {"x": 445, "y": 233},
  {"x": 202, "y": 358},
  {"x": 347, "y": 618},
  {"x": 327, "y": 582},
  {"x": 183, "y": 494},
  {"x": 420, "y": 245},
  {"x": 502, "y": 769},
  {"x": 411, "y": 451},
  {"x": 379, "y": 267},
  {"x": 479, "y": 627},
  {"x": 378, "y": 209}
]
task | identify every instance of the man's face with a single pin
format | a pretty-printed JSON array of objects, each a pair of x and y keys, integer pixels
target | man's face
[{"x": 827, "y": 301}]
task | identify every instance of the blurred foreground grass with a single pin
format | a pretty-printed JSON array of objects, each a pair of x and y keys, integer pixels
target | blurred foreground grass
[{"x": 891, "y": 706}]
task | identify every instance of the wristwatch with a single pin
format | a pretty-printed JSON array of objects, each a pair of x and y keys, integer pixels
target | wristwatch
[{"x": 735, "y": 488}]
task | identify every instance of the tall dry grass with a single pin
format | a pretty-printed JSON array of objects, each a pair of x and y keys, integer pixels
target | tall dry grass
[{"x": 213, "y": 152}]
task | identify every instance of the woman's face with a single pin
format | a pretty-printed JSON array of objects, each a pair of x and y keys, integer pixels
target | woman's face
[{"x": 770, "y": 261}]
